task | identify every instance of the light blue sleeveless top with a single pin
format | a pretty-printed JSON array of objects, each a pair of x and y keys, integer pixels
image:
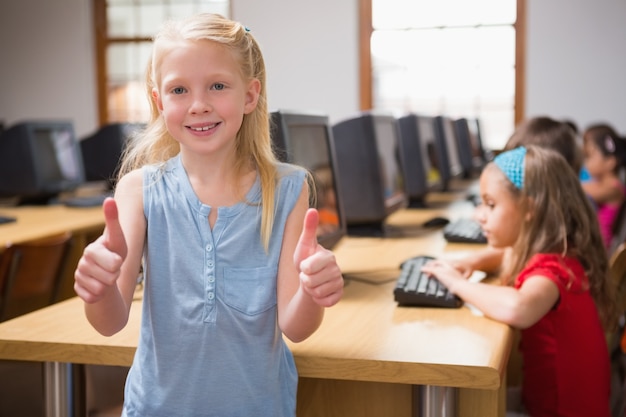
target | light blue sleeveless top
[{"x": 210, "y": 344}]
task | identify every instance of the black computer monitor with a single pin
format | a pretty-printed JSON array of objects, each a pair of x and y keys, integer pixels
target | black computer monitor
[
  {"x": 419, "y": 158},
  {"x": 471, "y": 153},
  {"x": 447, "y": 150},
  {"x": 39, "y": 160},
  {"x": 370, "y": 177},
  {"x": 484, "y": 152},
  {"x": 306, "y": 139},
  {"x": 102, "y": 150}
]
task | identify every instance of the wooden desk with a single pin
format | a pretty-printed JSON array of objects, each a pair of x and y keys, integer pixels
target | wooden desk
[
  {"x": 386, "y": 352},
  {"x": 35, "y": 222},
  {"x": 367, "y": 357},
  {"x": 393, "y": 350}
]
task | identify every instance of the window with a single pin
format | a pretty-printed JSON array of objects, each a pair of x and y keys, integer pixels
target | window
[
  {"x": 124, "y": 29},
  {"x": 450, "y": 57}
]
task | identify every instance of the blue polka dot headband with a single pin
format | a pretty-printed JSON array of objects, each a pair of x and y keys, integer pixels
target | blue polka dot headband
[{"x": 512, "y": 164}]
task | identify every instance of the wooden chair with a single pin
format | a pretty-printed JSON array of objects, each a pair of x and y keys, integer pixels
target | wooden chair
[
  {"x": 618, "y": 230},
  {"x": 617, "y": 271},
  {"x": 30, "y": 274},
  {"x": 616, "y": 340}
]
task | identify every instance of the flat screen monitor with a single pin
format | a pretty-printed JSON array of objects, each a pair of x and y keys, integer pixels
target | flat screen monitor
[
  {"x": 471, "y": 153},
  {"x": 483, "y": 152},
  {"x": 306, "y": 139},
  {"x": 447, "y": 150},
  {"x": 419, "y": 158},
  {"x": 430, "y": 148},
  {"x": 370, "y": 177},
  {"x": 102, "y": 150},
  {"x": 388, "y": 143},
  {"x": 39, "y": 160}
]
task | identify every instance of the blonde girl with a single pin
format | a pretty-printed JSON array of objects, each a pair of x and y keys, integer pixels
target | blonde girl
[{"x": 223, "y": 232}]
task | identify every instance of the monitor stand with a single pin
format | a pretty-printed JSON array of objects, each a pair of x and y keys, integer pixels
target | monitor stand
[
  {"x": 367, "y": 230},
  {"x": 417, "y": 203},
  {"x": 40, "y": 200}
]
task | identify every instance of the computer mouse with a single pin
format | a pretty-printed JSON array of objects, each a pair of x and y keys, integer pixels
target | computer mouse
[{"x": 436, "y": 222}]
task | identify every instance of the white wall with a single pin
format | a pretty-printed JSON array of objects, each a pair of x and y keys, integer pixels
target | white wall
[
  {"x": 575, "y": 58},
  {"x": 47, "y": 62},
  {"x": 576, "y": 64},
  {"x": 310, "y": 50}
]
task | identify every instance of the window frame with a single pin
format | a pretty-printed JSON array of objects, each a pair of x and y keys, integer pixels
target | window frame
[
  {"x": 365, "y": 59},
  {"x": 102, "y": 42},
  {"x": 366, "y": 29}
]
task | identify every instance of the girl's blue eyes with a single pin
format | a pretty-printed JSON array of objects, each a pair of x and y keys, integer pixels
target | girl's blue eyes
[{"x": 181, "y": 90}]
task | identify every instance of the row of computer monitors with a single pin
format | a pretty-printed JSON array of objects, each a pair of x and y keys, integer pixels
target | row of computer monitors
[
  {"x": 368, "y": 166},
  {"x": 364, "y": 168}
]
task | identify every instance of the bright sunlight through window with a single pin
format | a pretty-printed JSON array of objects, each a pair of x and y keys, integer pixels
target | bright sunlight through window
[{"x": 447, "y": 57}]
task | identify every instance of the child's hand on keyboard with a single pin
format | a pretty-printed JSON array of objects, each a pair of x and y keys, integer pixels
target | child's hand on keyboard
[
  {"x": 464, "y": 266},
  {"x": 445, "y": 272},
  {"x": 489, "y": 260}
]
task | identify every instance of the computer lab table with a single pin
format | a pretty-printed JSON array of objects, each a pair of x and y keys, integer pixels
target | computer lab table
[
  {"x": 40, "y": 221},
  {"x": 369, "y": 357}
]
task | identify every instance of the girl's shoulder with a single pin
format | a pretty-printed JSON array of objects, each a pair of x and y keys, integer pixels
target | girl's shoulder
[
  {"x": 565, "y": 271},
  {"x": 285, "y": 169},
  {"x": 289, "y": 168},
  {"x": 290, "y": 178},
  {"x": 154, "y": 171},
  {"x": 131, "y": 180},
  {"x": 619, "y": 189}
]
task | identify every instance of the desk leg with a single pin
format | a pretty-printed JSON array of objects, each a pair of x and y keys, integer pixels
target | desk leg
[
  {"x": 57, "y": 386},
  {"x": 435, "y": 401}
]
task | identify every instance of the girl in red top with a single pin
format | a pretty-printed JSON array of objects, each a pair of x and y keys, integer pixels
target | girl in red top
[{"x": 556, "y": 289}]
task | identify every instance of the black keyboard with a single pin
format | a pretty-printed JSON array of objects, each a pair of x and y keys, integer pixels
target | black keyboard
[
  {"x": 416, "y": 288},
  {"x": 464, "y": 230},
  {"x": 7, "y": 219}
]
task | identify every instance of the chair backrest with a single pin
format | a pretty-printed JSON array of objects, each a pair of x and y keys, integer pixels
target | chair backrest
[
  {"x": 617, "y": 339},
  {"x": 618, "y": 274},
  {"x": 619, "y": 229},
  {"x": 30, "y": 273}
]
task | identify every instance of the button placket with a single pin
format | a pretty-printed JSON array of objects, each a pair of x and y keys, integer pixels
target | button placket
[
  {"x": 210, "y": 272},
  {"x": 209, "y": 256}
]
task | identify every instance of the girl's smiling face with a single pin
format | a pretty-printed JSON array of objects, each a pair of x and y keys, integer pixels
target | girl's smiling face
[{"x": 203, "y": 96}]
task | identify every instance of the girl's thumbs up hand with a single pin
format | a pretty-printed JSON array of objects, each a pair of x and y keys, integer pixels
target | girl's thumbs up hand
[
  {"x": 320, "y": 276},
  {"x": 99, "y": 267}
]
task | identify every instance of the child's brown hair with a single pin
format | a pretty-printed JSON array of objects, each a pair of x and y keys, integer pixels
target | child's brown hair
[{"x": 562, "y": 221}]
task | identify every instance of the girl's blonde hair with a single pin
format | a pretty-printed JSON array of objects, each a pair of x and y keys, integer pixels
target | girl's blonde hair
[
  {"x": 563, "y": 221},
  {"x": 253, "y": 144}
]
